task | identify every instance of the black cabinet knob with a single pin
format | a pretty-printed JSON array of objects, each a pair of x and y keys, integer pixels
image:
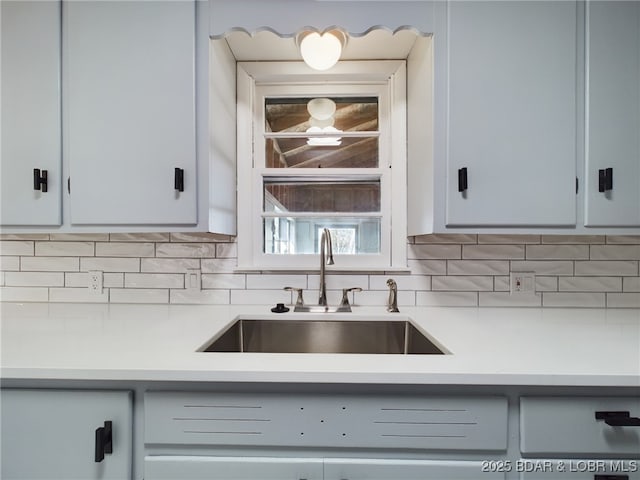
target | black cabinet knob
[
  {"x": 605, "y": 180},
  {"x": 104, "y": 441},
  {"x": 40, "y": 179},
  {"x": 178, "y": 179},
  {"x": 618, "y": 419},
  {"x": 462, "y": 179}
]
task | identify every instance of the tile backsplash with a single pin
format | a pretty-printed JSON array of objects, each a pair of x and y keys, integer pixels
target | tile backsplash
[{"x": 445, "y": 270}]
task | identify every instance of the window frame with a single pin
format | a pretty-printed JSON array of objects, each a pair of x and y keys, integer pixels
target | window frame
[{"x": 383, "y": 79}]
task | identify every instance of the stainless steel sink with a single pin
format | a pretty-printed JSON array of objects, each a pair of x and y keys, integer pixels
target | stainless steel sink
[{"x": 299, "y": 335}]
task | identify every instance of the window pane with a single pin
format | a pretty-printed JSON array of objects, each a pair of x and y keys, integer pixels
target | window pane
[
  {"x": 328, "y": 118},
  {"x": 284, "y": 195},
  {"x": 350, "y": 236},
  {"x": 352, "y": 152}
]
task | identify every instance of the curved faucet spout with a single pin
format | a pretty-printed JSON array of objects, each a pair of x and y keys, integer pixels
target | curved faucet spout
[{"x": 326, "y": 258}]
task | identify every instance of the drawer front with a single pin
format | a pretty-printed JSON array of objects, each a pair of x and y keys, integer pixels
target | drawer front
[
  {"x": 565, "y": 426},
  {"x": 434, "y": 423},
  {"x": 582, "y": 469}
]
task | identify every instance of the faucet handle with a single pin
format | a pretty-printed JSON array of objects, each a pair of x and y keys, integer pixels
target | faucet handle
[
  {"x": 345, "y": 295},
  {"x": 299, "y": 300}
]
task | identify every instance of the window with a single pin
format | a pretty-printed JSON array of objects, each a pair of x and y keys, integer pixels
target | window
[{"x": 319, "y": 150}]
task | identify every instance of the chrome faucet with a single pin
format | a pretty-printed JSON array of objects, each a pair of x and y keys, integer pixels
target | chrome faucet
[
  {"x": 325, "y": 245},
  {"x": 392, "y": 303}
]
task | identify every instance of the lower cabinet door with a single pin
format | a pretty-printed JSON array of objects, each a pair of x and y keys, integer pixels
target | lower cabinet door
[
  {"x": 376, "y": 469},
  {"x": 56, "y": 434},
  {"x": 231, "y": 468}
]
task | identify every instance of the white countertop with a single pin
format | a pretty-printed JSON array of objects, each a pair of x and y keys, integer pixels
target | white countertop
[{"x": 489, "y": 346}]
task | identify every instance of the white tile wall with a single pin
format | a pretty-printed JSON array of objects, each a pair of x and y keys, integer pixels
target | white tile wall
[{"x": 445, "y": 270}]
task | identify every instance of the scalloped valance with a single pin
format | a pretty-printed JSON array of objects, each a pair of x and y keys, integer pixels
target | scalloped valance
[{"x": 288, "y": 17}]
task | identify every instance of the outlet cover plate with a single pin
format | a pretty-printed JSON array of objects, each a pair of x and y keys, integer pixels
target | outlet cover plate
[{"x": 522, "y": 283}]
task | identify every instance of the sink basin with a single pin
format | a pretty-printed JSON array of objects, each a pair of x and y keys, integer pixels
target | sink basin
[{"x": 300, "y": 335}]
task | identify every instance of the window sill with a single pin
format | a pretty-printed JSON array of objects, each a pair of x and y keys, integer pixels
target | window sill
[{"x": 329, "y": 270}]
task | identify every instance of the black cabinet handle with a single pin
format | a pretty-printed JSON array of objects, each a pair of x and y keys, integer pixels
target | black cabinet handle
[
  {"x": 611, "y": 477},
  {"x": 618, "y": 419},
  {"x": 178, "y": 179},
  {"x": 104, "y": 441},
  {"x": 605, "y": 180},
  {"x": 462, "y": 179},
  {"x": 40, "y": 180}
]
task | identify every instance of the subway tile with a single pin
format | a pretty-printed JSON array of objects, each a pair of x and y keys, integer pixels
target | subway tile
[
  {"x": 198, "y": 237},
  {"x": 208, "y": 297},
  {"x": 547, "y": 284},
  {"x": 623, "y": 300},
  {"x": 218, "y": 265},
  {"x": 623, "y": 239},
  {"x": 168, "y": 265},
  {"x": 110, "y": 264},
  {"x": 77, "y": 295},
  {"x": 434, "y": 252},
  {"x": 505, "y": 299},
  {"x": 631, "y": 284},
  {"x": 607, "y": 268},
  {"x": 573, "y": 239},
  {"x": 462, "y": 283},
  {"x": 493, "y": 252},
  {"x": 502, "y": 283},
  {"x": 9, "y": 264},
  {"x": 34, "y": 279},
  {"x": 139, "y": 237},
  {"x": 65, "y": 249},
  {"x": 404, "y": 282},
  {"x": 502, "y": 239},
  {"x": 79, "y": 237},
  {"x": 125, "y": 249},
  {"x": 574, "y": 299},
  {"x": 224, "y": 281},
  {"x": 186, "y": 250},
  {"x": 260, "y": 297},
  {"x": 447, "y": 299},
  {"x": 478, "y": 267},
  {"x": 50, "y": 264},
  {"x": 557, "y": 252},
  {"x": 266, "y": 281},
  {"x": 24, "y": 236},
  {"x": 2, "y": 277},
  {"x": 374, "y": 298},
  {"x": 590, "y": 284},
  {"x": 457, "y": 238},
  {"x": 615, "y": 252},
  {"x": 428, "y": 267},
  {"x": 113, "y": 280},
  {"x": 543, "y": 267},
  {"x": 138, "y": 295},
  {"x": 153, "y": 280},
  {"x": 338, "y": 282},
  {"x": 227, "y": 250},
  {"x": 16, "y": 247},
  {"x": 24, "y": 294}
]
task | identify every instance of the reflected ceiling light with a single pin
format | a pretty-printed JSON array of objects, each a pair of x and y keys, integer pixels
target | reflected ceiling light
[
  {"x": 321, "y": 121},
  {"x": 321, "y": 52}
]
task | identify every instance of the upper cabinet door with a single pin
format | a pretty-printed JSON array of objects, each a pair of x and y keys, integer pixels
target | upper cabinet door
[
  {"x": 511, "y": 114},
  {"x": 130, "y": 112},
  {"x": 31, "y": 134},
  {"x": 613, "y": 114}
]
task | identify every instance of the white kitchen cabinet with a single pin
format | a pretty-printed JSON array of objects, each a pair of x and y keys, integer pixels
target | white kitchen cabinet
[
  {"x": 511, "y": 114},
  {"x": 31, "y": 125},
  {"x": 612, "y": 172},
  {"x": 53, "y": 434},
  {"x": 130, "y": 114},
  {"x": 385, "y": 469},
  {"x": 231, "y": 468}
]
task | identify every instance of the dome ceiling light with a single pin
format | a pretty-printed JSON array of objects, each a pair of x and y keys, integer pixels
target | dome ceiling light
[{"x": 321, "y": 52}]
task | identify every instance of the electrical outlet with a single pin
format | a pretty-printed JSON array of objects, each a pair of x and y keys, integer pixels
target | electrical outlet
[
  {"x": 193, "y": 279},
  {"x": 523, "y": 283},
  {"x": 95, "y": 282}
]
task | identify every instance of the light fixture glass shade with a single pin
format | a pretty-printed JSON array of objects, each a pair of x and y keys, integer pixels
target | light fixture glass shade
[
  {"x": 321, "y": 108},
  {"x": 320, "y": 52}
]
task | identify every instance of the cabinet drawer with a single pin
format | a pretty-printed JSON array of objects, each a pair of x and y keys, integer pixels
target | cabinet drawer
[
  {"x": 434, "y": 423},
  {"x": 564, "y": 426}
]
